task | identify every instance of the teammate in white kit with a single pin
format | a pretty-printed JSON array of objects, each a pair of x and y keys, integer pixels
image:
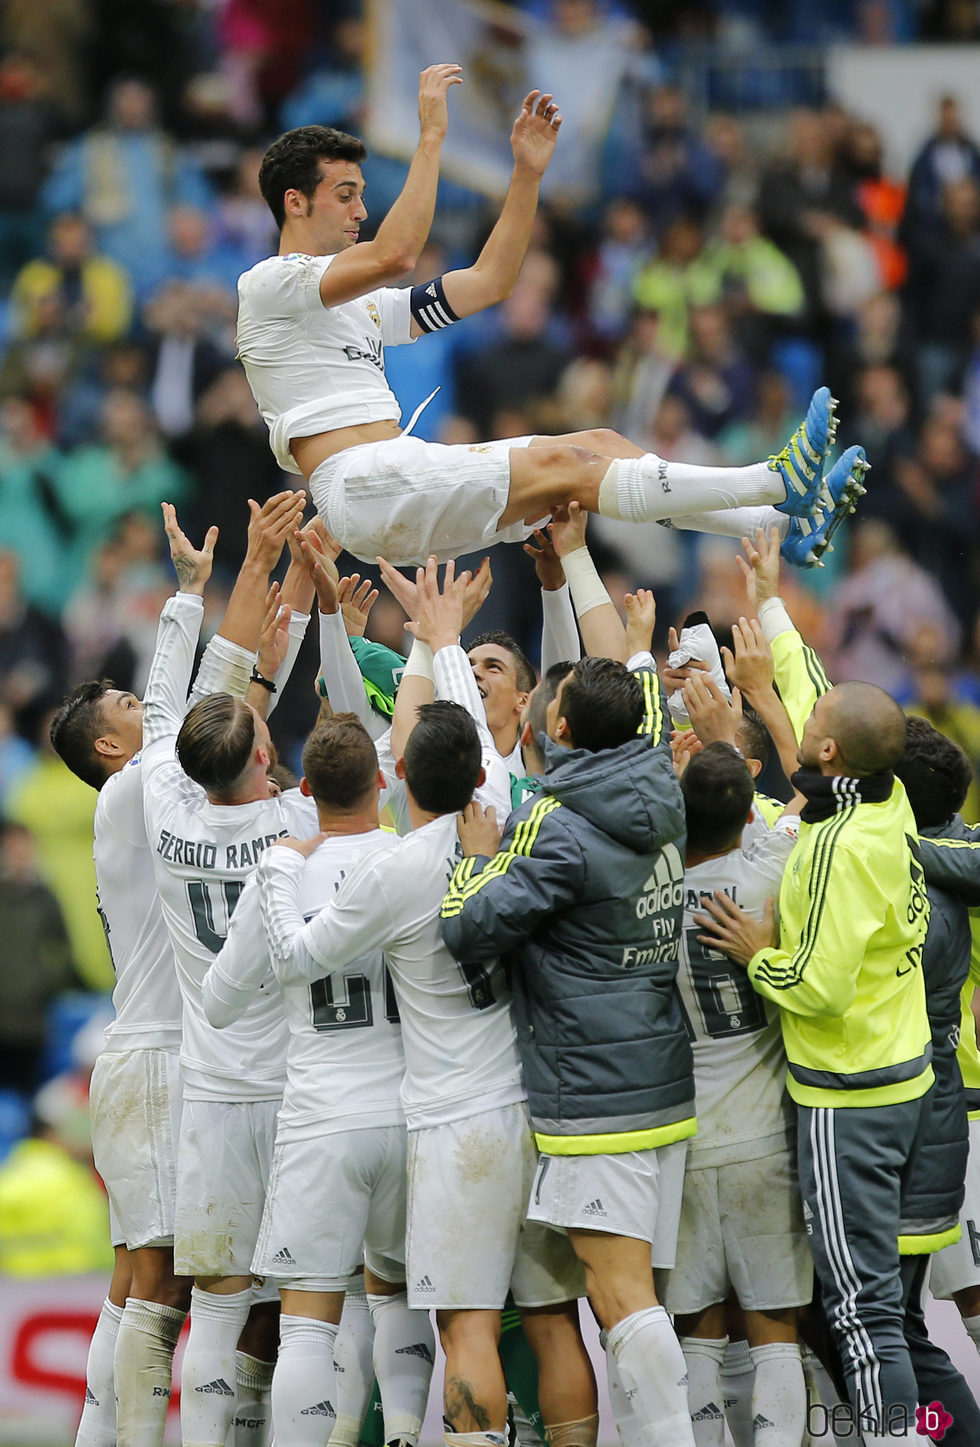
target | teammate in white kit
[
  {"x": 741, "y": 1217},
  {"x": 471, "y": 1156},
  {"x": 135, "y": 1089},
  {"x": 313, "y": 322},
  {"x": 206, "y": 837},
  {"x": 337, "y": 1190}
]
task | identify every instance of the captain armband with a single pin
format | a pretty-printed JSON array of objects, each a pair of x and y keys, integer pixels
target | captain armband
[{"x": 430, "y": 309}]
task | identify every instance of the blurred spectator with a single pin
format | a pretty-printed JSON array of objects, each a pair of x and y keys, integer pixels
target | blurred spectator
[
  {"x": 725, "y": 136},
  {"x": 33, "y": 520},
  {"x": 58, "y": 809},
  {"x": 764, "y": 431},
  {"x": 674, "y": 281},
  {"x": 54, "y": 1214},
  {"x": 882, "y": 421},
  {"x": 16, "y": 754},
  {"x": 56, "y": 38},
  {"x": 610, "y": 271},
  {"x": 881, "y": 199},
  {"x": 37, "y": 960},
  {"x": 877, "y": 611},
  {"x": 33, "y": 652},
  {"x": 804, "y": 197},
  {"x": 128, "y": 471},
  {"x": 641, "y": 376},
  {"x": 761, "y": 287},
  {"x": 27, "y": 126},
  {"x": 105, "y": 620},
  {"x": 245, "y": 225},
  {"x": 123, "y": 176},
  {"x": 333, "y": 94},
  {"x": 265, "y": 45},
  {"x": 933, "y": 697},
  {"x": 198, "y": 258},
  {"x": 678, "y": 174},
  {"x": 938, "y": 513},
  {"x": 944, "y": 288},
  {"x": 93, "y": 292},
  {"x": 183, "y": 358},
  {"x": 949, "y": 156},
  {"x": 520, "y": 366},
  {"x": 717, "y": 382}
]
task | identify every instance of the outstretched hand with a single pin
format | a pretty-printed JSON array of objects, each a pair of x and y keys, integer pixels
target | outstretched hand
[
  {"x": 713, "y": 718},
  {"x": 479, "y": 832},
  {"x": 192, "y": 565},
  {"x": 729, "y": 929},
  {"x": 271, "y": 524},
  {"x": 535, "y": 131},
  {"x": 751, "y": 668},
  {"x": 760, "y": 566},
  {"x": 547, "y": 563},
  {"x": 641, "y": 615},
  {"x": 434, "y": 85}
]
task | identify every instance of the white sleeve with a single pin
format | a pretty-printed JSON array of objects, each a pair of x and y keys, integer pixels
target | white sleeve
[
  {"x": 298, "y": 624},
  {"x": 225, "y": 668},
  {"x": 771, "y": 850},
  {"x": 455, "y": 681},
  {"x": 641, "y": 661},
  {"x": 395, "y": 305},
  {"x": 341, "y": 675},
  {"x": 286, "y": 286},
  {"x": 357, "y": 921},
  {"x": 395, "y": 796},
  {"x": 165, "y": 698},
  {"x": 238, "y": 971},
  {"x": 774, "y": 618},
  {"x": 559, "y": 632}
]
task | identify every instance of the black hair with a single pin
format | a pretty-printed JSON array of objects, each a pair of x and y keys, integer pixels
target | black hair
[
  {"x": 935, "y": 771},
  {"x": 75, "y": 728},
  {"x": 602, "y": 703},
  {"x": 443, "y": 758},
  {"x": 523, "y": 667},
  {"x": 340, "y": 762},
  {"x": 753, "y": 736},
  {"x": 718, "y": 792},
  {"x": 292, "y": 163}
]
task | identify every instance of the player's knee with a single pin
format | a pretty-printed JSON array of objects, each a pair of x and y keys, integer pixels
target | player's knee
[{"x": 602, "y": 440}]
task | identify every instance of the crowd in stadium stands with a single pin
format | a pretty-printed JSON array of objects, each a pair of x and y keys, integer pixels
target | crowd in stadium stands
[{"x": 690, "y": 290}]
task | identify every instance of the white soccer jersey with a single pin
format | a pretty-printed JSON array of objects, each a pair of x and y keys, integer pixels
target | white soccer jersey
[
  {"x": 202, "y": 854},
  {"x": 313, "y": 368},
  {"x": 345, "y": 1060},
  {"x": 146, "y": 998},
  {"x": 460, "y": 1043},
  {"x": 739, "y": 1061}
]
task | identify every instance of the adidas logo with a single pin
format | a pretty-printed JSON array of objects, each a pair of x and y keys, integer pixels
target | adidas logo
[
  {"x": 322, "y": 1409},
  {"x": 807, "y": 1213},
  {"x": 430, "y": 290},
  {"x": 283, "y": 1258},
  {"x": 594, "y": 1208},
  {"x": 91, "y": 1400},
  {"x": 219, "y": 1387},
  {"x": 710, "y": 1412},
  {"x": 418, "y": 1349},
  {"x": 425, "y": 1284},
  {"x": 761, "y": 1422}
]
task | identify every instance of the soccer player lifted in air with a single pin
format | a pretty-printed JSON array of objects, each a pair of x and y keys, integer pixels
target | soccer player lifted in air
[{"x": 313, "y": 322}]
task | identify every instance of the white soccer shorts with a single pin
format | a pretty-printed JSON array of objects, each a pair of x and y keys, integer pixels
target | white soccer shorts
[
  {"x": 469, "y": 1241},
  {"x": 404, "y": 498},
  {"x": 135, "y": 1102},
  {"x": 958, "y": 1265},
  {"x": 333, "y": 1203},
  {"x": 630, "y": 1193},
  {"x": 223, "y": 1164},
  {"x": 741, "y": 1226}
]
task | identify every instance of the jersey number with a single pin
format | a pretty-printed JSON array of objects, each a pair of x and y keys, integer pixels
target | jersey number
[
  {"x": 354, "y": 1008},
  {"x": 726, "y": 999},
  {"x": 201, "y": 901}
]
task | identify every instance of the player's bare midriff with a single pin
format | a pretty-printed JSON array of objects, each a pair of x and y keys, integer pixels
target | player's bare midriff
[{"x": 309, "y": 452}]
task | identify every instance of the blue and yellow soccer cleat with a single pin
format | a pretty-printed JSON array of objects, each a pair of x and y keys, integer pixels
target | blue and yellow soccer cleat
[
  {"x": 800, "y": 464},
  {"x": 810, "y": 537}
]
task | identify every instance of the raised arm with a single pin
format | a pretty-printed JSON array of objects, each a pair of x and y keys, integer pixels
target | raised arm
[
  {"x": 559, "y": 631},
  {"x": 405, "y": 229},
  {"x": 751, "y": 670},
  {"x": 269, "y": 527},
  {"x": 600, "y": 625},
  {"x": 492, "y": 276},
  {"x": 165, "y": 699},
  {"x": 241, "y": 967}
]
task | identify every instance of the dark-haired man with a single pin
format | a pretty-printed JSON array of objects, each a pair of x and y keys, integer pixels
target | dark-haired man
[
  {"x": 98, "y": 733},
  {"x": 846, "y": 971},
  {"x": 313, "y": 322},
  {"x": 470, "y": 1152},
  {"x": 741, "y": 1223},
  {"x": 583, "y": 898}
]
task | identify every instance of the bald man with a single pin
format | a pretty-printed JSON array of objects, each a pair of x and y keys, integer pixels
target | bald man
[{"x": 844, "y": 967}]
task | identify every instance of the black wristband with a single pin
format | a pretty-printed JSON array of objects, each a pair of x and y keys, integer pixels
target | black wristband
[{"x": 262, "y": 682}]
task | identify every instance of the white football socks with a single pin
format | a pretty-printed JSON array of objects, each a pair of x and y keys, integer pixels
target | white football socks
[
  {"x": 404, "y": 1353},
  {"x": 207, "y": 1379},
  {"x": 737, "y": 1378},
  {"x": 704, "y": 1356},
  {"x": 353, "y": 1364},
  {"x": 651, "y": 1365},
  {"x": 648, "y": 488},
  {"x": 779, "y": 1395},
  {"x": 303, "y": 1384},
  {"x": 972, "y": 1327},
  {"x": 253, "y": 1413},
  {"x": 143, "y": 1368},
  {"x": 97, "y": 1426}
]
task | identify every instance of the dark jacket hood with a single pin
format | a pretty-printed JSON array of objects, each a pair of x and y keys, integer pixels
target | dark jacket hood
[{"x": 625, "y": 791}]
